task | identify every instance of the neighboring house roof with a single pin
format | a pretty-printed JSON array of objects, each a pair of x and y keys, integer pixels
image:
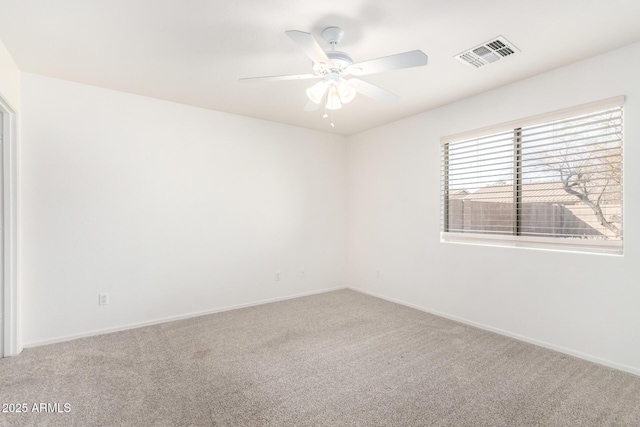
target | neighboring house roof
[
  {"x": 457, "y": 194},
  {"x": 545, "y": 192}
]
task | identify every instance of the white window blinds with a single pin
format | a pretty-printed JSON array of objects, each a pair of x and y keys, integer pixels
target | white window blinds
[{"x": 553, "y": 179}]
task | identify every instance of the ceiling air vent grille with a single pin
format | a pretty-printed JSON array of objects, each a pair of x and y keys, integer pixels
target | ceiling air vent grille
[{"x": 488, "y": 52}]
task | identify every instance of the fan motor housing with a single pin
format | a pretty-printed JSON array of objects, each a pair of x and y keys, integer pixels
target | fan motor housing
[
  {"x": 340, "y": 59},
  {"x": 339, "y": 62}
]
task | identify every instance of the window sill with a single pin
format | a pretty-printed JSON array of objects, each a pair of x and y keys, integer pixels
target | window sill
[{"x": 542, "y": 243}]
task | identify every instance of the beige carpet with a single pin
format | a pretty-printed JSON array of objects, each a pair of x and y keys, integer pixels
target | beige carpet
[{"x": 335, "y": 359}]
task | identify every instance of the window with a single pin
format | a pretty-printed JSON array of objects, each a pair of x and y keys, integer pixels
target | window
[{"x": 552, "y": 181}]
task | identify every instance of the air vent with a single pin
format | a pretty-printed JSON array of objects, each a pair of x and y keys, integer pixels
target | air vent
[{"x": 486, "y": 53}]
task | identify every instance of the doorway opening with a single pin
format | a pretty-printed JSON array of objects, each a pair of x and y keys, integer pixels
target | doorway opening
[{"x": 9, "y": 342}]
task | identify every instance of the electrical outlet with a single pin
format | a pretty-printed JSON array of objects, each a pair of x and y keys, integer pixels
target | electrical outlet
[
  {"x": 378, "y": 274},
  {"x": 302, "y": 274},
  {"x": 277, "y": 276},
  {"x": 103, "y": 299}
]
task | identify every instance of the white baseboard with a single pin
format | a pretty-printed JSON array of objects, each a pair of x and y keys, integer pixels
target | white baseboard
[
  {"x": 519, "y": 337},
  {"x": 578, "y": 354},
  {"x": 174, "y": 318}
]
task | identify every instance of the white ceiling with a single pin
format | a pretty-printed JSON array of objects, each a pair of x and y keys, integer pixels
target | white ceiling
[{"x": 194, "y": 51}]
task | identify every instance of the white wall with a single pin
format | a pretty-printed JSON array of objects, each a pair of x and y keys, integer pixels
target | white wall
[
  {"x": 9, "y": 79},
  {"x": 582, "y": 304},
  {"x": 170, "y": 209}
]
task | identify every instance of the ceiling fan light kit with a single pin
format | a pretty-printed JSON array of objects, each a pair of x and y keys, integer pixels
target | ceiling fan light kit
[
  {"x": 333, "y": 99},
  {"x": 333, "y": 66},
  {"x": 346, "y": 91},
  {"x": 316, "y": 92},
  {"x": 337, "y": 93}
]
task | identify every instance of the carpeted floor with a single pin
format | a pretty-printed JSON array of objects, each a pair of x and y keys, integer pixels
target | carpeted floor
[{"x": 335, "y": 359}]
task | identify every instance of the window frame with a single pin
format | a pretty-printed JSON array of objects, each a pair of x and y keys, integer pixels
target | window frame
[{"x": 609, "y": 247}]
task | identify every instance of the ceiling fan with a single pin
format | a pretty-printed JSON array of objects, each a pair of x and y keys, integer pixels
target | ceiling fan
[{"x": 333, "y": 66}]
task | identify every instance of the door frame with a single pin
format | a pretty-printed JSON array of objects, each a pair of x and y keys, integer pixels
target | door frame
[{"x": 9, "y": 344}]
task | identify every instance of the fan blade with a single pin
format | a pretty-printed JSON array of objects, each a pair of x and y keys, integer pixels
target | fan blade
[
  {"x": 373, "y": 91},
  {"x": 278, "y": 78},
  {"x": 310, "y": 46},
  {"x": 311, "y": 106},
  {"x": 415, "y": 58}
]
